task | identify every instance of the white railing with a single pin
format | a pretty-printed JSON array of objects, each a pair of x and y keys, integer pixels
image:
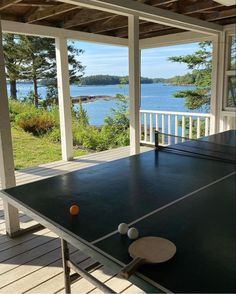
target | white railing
[{"x": 183, "y": 124}]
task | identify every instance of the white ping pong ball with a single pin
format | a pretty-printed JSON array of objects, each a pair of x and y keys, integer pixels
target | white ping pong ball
[
  {"x": 123, "y": 228},
  {"x": 133, "y": 233}
]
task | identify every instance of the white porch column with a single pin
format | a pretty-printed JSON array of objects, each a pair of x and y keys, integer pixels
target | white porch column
[
  {"x": 134, "y": 84},
  {"x": 7, "y": 173},
  {"x": 217, "y": 90},
  {"x": 63, "y": 82}
]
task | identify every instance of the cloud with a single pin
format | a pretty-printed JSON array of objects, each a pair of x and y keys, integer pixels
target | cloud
[{"x": 106, "y": 59}]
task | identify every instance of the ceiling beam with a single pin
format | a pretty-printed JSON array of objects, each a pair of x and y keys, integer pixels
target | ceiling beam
[
  {"x": 85, "y": 16},
  {"x": 200, "y": 7},
  {"x": 115, "y": 22},
  {"x": 166, "y": 32},
  {"x": 157, "y": 3},
  {"x": 144, "y": 28},
  {"x": 48, "y": 12},
  {"x": 119, "y": 22},
  {"x": 7, "y": 3},
  {"x": 149, "y": 13},
  {"x": 35, "y": 3},
  {"x": 110, "y": 23},
  {"x": 219, "y": 15},
  {"x": 227, "y": 21},
  {"x": 10, "y": 17}
]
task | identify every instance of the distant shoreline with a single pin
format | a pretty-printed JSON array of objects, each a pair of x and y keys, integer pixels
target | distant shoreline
[
  {"x": 91, "y": 98},
  {"x": 112, "y": 80}
]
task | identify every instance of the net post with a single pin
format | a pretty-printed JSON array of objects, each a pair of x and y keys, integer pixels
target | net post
[{"x": 156, "y": 139}]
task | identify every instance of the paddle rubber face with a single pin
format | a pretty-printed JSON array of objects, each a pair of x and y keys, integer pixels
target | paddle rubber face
[
  {"x": 148, "y": 250},
  {"x": 152, "y": 249}
]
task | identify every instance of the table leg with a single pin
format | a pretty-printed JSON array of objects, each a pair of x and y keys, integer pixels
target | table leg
[{"x": 65, "y": 258}]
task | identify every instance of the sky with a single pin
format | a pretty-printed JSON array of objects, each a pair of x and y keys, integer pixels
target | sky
[{"x": 113, "y": 60}]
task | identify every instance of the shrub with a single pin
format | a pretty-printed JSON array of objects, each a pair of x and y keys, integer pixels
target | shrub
[
  {"x": 82, "y": 115},
  {"x": 36, "y": 122},
  {"x": 87, "y": 136},
  {"x": 54, "y": 135},
  {"x": 17, "y": 107}
]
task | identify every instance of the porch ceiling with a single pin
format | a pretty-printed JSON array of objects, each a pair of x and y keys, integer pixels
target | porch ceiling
[{"x": 58, "y": 14}]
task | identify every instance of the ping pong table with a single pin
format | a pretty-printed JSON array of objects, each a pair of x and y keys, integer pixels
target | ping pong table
[{"x": 186, "y": 199}]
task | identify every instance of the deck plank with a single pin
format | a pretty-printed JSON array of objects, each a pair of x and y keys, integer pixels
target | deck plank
[{"x": 12, "y": 242}]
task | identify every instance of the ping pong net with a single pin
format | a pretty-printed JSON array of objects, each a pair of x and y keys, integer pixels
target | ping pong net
[{"x": 195, "y": 147}]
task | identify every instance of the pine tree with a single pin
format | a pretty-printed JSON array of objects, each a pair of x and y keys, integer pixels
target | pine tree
[
  {"x": 34, "y": 59},
  {"x": 200, "y": 62},
  {"x": 82, "y": 116},
  {"x": 14, "y": 56}
]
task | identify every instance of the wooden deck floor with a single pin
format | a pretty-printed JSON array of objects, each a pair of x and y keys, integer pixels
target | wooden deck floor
[{"x": 32, "y": 263}]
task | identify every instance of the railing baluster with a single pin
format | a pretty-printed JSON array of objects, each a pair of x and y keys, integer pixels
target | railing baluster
[
  {"x": 176, "y": 129},
  {"x": 163, "y": 123},
  {"x": 190, "y": 127},
  {"x": 183, "y": 126},
  {"x": 169, "y": 129},
  {"x": 163, "y": 128},
  {"x": 151, "y": 128},
  {"x": 198, "y": 127},
  {"x": 168, "y": 122},
  {"x": 206, "y": 126},
  {"x": 157, "y": 123},
  {"x": 145, "y": 127},
  {"x": 176, "y": 125}
]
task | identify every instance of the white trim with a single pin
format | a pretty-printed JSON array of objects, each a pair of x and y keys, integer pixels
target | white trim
[
  {"x": 214, "y": 82},
  {"x": 230, "y": 28},
  {"x": 226, "y": 2},
  {"x": 150, "y": 13},
  {"x": 228, "y": 73},
  {"x": 7, "y": 173},
  {"x": 51, "y": 32},
  {"x": 228, "y": 113},
  {"x": 63, "y": 83},
  {"x": 220, "y": 80},
  {"x": 134, "y": 84},
  {"x": 176, "y": 113},
  {"x": 173, "y": 39}
]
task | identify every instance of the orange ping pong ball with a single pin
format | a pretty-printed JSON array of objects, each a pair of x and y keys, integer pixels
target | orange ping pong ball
[{"x": 74, "y": 210}]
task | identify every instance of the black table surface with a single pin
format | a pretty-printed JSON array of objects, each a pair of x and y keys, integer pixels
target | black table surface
[{"x": 124, "y": 190}]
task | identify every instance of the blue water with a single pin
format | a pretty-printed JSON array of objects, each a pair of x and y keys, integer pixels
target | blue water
[{"x": 153, "y": 97}]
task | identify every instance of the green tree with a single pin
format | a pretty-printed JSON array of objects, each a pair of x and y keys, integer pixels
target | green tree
[
  {"x": 34, "y": 58},
  {"x": 200, "y": 62},
  {"x": 76, "y": 71},
  {"x": 82, "y": 116},
  {"x": 115, "y": 130},
  {"x": 39, "y": 60},
  {"x": 14, "y": 56}
]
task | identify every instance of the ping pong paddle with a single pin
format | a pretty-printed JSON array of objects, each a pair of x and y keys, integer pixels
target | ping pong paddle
[{"x": 148, "y": 250}]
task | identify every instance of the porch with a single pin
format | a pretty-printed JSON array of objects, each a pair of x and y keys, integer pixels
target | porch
[{"x": 31, "y": 263}]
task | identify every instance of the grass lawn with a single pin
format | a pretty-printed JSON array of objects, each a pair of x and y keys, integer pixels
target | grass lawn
[{"x": 31, "y": 151}]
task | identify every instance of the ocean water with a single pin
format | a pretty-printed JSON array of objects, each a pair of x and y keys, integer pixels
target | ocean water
[{"x": 153, "y": 97}]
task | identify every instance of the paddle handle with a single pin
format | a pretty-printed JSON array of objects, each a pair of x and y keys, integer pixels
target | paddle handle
[{"x": 130, "y": 268}]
